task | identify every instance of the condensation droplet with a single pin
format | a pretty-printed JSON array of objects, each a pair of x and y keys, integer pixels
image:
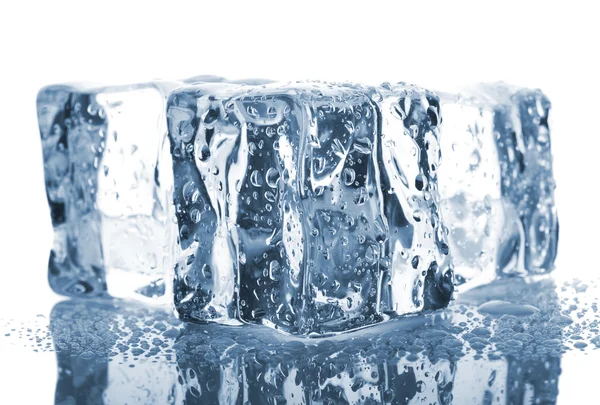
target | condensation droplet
[
  {"x": 207, "y": 271},
  {"x": 272, "y": 177},
  {"x": 349, "y": 176},
  {"x": 256, "y": 178},
  {"x": 195, "y": 215}
]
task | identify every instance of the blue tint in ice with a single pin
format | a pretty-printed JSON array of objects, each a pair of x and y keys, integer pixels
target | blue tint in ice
[
  {"x": 309, "y": 207},
  {"x": 116, "y": 352},
  {"x": 108, "y": 181}
]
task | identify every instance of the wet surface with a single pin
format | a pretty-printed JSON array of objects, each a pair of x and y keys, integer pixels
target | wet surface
[{"x": 499, "y": 344}]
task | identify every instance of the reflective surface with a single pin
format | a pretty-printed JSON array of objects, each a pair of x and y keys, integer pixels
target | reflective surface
[{"x": 501, "y": 344}]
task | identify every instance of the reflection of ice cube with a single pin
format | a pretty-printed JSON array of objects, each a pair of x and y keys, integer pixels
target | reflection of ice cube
[
  {"x": 113, "y": 353},
  {"x": 82, "y": 348},
  {"x": 403, "y": 363},
  {"x": 520, "y": 362},
  {"x": 108, "y": 180},
  {"x": 308, "y": 207},
  {"x": 108, "y": 354},
  {"x": 219, "y": 364},
  {"x": 496, "y": 182}
]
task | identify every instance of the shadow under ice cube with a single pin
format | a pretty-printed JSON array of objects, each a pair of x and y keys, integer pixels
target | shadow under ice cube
[
  {"x": 104, "y": 153},
  {"x": 308, "y": 207},
  {"x": 496, "y": 183}
]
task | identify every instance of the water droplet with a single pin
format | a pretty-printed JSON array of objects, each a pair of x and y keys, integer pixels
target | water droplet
[
  {"x": 361, "y": 196},
  {"x": 256, "y": 178},
  {"x": 417, "y": 215},
  {"x": 543, "y": 136},
  {"x": 207, "y": 271},
  {"x": 252, "y": 111},
  {"x": 561, "y": 320},
  {"x": 319, "y": 164},
  {"x": 190, "y": 192},
  {"x": 87, "y": 355},
  {"x": 270, "y": 196},
  {"x": 92, "y": 109},
  {"x": 444, "y": 248},
  {"x": 204, "y": 154},
  {"x": 184, "y": 232},
  {"x": 252, "y": 148},
  {"x": 414, "y": 131},
  {"x": 272, "y": 177},
  {"x": 420, "y": 182},
  {"x": 495, "y": 307},
  {"x": 195, "y": 215},
  {"x": 349, "y": 176},
  {"x": 349, "y": 125},
  {"x": 275, "y": 270}
]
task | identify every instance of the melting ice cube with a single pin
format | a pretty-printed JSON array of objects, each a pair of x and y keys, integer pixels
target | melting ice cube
[
  {"x": 496, "y": 182},
  {"x": 109, "y": 183},
  {"x": 308, "y": 207}
]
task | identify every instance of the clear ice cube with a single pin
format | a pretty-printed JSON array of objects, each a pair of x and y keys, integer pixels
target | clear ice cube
[
  {"x": 496, "y": 183},
  {"x": 109, "y": 182},
  {"x": 308, "y": 207}
]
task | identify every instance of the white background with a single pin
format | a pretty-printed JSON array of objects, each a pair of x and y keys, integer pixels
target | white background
[{"x": 553, "y": 46}]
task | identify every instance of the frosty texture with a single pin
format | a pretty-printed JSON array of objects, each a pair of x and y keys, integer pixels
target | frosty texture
[
  {"x": 496, "y": 183},
  {"x": 109, "y": 183},
  {"x": 307, "y": 207}
]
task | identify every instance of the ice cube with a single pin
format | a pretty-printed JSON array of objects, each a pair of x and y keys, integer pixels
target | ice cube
[
  {"x": 109, "y": 181},
  {"x": 308, "y": 207},
  {"x": 496, "y": 183}
]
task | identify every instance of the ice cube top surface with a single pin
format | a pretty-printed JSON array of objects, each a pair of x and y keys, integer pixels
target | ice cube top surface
[
  {"x": 308, "y": 207},
  {"x": 109, "y": 183},
  {"x": 496, "y": 182}
]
